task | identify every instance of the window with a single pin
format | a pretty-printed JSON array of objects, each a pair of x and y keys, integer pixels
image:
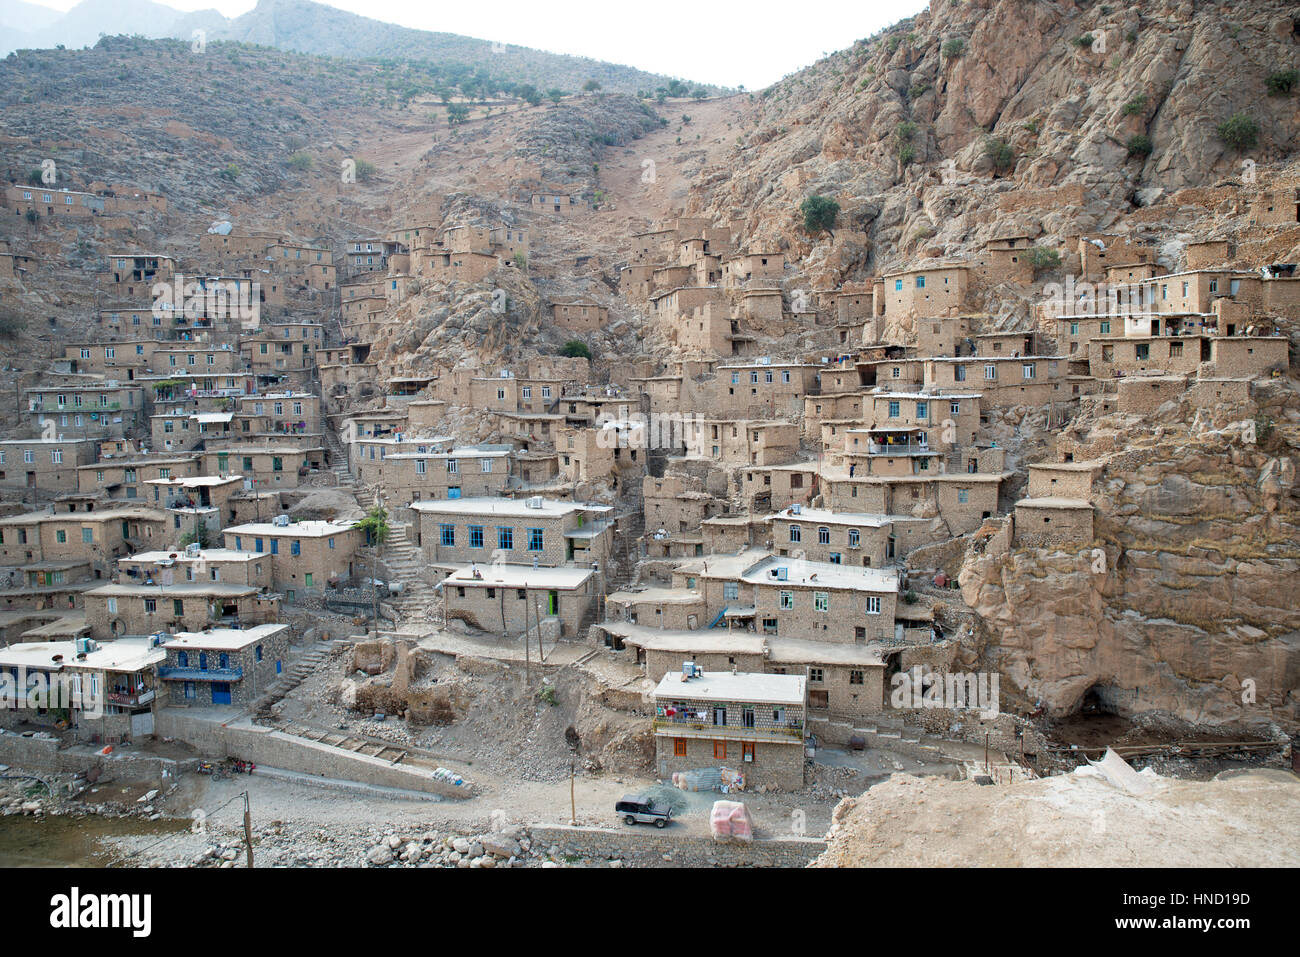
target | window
[
  {"x": 963, "y": 495},
  {"x": 920, "y": 282},
  {"x": 476, "y": 536},
  {"x": 88, "y": 535},
  {"x": 1028, "y": 370},
  {"x": 894, "y": 409},
  {"x": 453, "y": 467},
  {"x": 112, "y": 606},
  {"x": 821, "y": 601},
  {"x": 60, "y": 536},
  {"x": 487, "y": 465},
  {"x": 546, "y": 392},
  {"x": 506, "y": 538},
  {"x": 1105, "y": 327},
  {"x": 150, "y": 606},
  {"x": 679, "y": 747},
  {"x": 295, "y": 547},
  {"x": 873, "y": 604},
  {"x": 535, "y": 540},
  {"x": 720, "y": 750},
  {"x": 730, "y": 590},
  {"x": 855, "y": 538},
  {"x": 823, "y": 535},
  {"x": 787, "y": 599},
  {"x": 898, "y": 285},
  {"x": 954, "y": 408},
  {"x": 306, "y": 579},
  {"x": 796, "y": 533},
  {"x": 331, "y": 543},
  {"x": 419, "y": 467},
  {"x": 447, "y": 534},
  {"x": 835, "y": 558},
  {"x": 815, "y": 674},
  {"x": 990, "y": 371},
  {"x": 855, "y": 677}
]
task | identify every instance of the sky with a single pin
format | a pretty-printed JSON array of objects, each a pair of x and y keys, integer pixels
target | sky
[{"x": 731, "y": 43}]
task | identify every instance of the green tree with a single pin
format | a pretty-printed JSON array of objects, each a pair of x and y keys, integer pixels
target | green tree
[
  {"x": 819, "y": 213},
  {"x": 230, "y": 173},
  {"x": 300, "y": 161},
  {"x": 555, "y": 94},
  {"x": 1282, "y": 82},
  {"x": 1000, "y": 152},
  {"x": 1043, "y": 257},
  {"x": 375, "y": 526},
  {"x": 1240, "y": 131},
  {"x": 575, "y": 348},
  {"x": 1139, "y": 144},
  {"x": 457, "y": 113},
  {"x": 365, "y": 171},
  {"x": 591, "y": 86},
  {"x": 953, "y": 48}
]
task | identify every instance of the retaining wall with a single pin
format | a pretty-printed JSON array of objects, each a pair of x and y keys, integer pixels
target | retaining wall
[{"x": 645, "y": 846}]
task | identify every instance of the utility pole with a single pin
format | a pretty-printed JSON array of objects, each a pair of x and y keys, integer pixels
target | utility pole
[
  {"x": 537, "y": 613},
  {"x": 248, "y": 830},
  {"x": 528, "y": 665},
  {"x": 573, "y": 804}
]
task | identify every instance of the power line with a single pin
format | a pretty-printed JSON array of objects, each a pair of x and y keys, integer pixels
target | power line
[{"x": 172, "y": 837}]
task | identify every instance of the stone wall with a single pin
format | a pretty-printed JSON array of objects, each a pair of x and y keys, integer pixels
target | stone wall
[{"x": 645, "y": 846}]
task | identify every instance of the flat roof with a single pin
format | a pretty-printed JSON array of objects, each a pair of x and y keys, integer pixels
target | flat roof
[
  {"x": 821, "y": 574},
  {"x": 309, "y": 529},
  {"x": 196, "y": 481},
  {"x": 122, "y": 654},
  {"x": 518, "y": 576},
  {"x": 504, "y": 507},
  {"x": 178, "y": 555},
  {"x": 741, "y": 686},
  {"x": 108, "y": 514},
  {"x": 224, "y": 639},
  {"x": 179, "y": 589},
  {"x": 827, "y": 517},
  {"x": 800, "y": 651},
  {"x": 1052, "y": 501}
]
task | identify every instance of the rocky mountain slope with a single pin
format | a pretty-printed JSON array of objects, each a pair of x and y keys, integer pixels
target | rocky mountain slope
[{"x": 925, "y": 132}]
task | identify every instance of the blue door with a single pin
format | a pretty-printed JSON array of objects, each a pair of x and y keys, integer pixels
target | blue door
[
  {"x": 220, "y": 692},
  {"x": 203, "y": 661},
  {"x": 453, "y": 491},
  {"x": 277, "y": 666}
]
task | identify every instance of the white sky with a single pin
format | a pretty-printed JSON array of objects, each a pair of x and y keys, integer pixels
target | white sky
[{"x": 731, "y": 43}]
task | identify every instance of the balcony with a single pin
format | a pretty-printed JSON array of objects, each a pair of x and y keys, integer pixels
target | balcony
[
  {"x": 133, "y": 699},
  {"x": 899, "y": 448},
  {"x": 170, "y": 673},
  {"x": 789, "y": 731}
]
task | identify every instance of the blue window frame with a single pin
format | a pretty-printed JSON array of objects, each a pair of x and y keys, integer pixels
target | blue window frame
[
  {"x": 476, "y": 536},
  {"x": 295, "y": 548},
  {"x": 275, "y": 546},
  {"x": 535, "y": 540},
  {"x": 447, "y": 534},
  {"x": 505, "y": 538}
]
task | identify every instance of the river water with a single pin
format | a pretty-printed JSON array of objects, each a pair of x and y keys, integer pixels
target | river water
[{"x": 70, "y": 842}]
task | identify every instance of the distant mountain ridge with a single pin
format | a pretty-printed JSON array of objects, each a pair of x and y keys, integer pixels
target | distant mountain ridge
[{"x": 303, "y": 26}]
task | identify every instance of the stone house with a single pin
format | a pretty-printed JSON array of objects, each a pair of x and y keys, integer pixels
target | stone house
[
  {"x": 116, "y": 610},
  {"x": 106, "y": 410},
  {"x": 223, "y": 666},
  {"x": 838, "y": 538},
  {"x": 922, "y": 292},
  {"x": 305, "y": 556},
  {"x": 779, "y": 486},
  {"x": 580, "y": 315},
  {"x": 277, "y": 466},
  {"x": 742, "y": 441},
  {"x": 1047, "y": 522},
  {"x": 411, "y": 475},
  {"x": 127, "y": 478},
  {"x": 48, "y": 464},
  {"x": 960, "y": 501},
  {"x": 753, "y": 723},
  {"x": 533, "y": 531},
  {"x": 198, "y": 565},
  {"x": 763, "y": 387},
  {"x": 99, "y": 537},
  {"x": 512, "y": 600}
]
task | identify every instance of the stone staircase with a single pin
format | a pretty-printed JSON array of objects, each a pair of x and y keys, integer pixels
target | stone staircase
[
  {"x": 405, "y": 562},
  {"x": 306, "y": 663}
]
